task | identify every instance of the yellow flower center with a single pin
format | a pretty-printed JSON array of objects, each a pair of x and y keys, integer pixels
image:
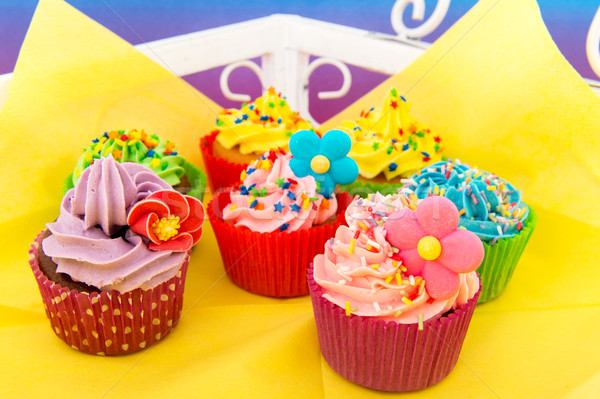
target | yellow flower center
[
  {"x": 166, "y": 228},
  {"x": 320, "y": 164},
  {"x": 429, "y": 248}
]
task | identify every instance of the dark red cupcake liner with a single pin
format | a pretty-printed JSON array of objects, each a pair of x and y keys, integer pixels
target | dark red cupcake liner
[
  {"x": 221, "y": 173},
  {"x": 110, "y": 323},
  {"x": 271, "y": 264},
  {"x": 388, "y": 356}
]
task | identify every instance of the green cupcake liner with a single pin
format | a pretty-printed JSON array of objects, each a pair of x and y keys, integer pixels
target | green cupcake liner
[
  {"x": 195, "y": 176},
  {"x": 501, "y": 259}
]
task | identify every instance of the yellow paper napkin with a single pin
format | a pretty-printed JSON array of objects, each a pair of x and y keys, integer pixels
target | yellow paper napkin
[{"x": 74, "y": 80}]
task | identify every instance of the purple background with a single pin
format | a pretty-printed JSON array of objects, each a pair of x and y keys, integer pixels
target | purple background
[{"x": 568, "y": 22}]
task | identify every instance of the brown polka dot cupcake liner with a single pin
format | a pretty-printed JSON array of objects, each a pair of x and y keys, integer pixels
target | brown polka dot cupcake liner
[
  {"x": 385, "y": 355},
  {"x": 221, "y": 173},
  {"x": 110, "y": 323}
]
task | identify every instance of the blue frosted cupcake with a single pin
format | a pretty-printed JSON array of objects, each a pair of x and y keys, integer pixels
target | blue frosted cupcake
[{"x": 490, "y": 207}]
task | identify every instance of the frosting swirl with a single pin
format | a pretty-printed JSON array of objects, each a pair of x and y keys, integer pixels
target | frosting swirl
[
  {"x": 489, "y": 206},
  {"x": 388, "y": 140},
  {"x": 272, "y": 198},
  {"x": 134, "y": 146},
  {"x": 266, "y": 123},
  {"x": 361, "y": 272},
  {"x": 89, "y": 242}
]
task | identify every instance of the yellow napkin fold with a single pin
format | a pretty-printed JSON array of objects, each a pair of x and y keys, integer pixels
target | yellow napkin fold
[
  {"x": 494, "y": 86},
  {"x": 75, "y": 79},
  {"x": 502, "y": 97}
]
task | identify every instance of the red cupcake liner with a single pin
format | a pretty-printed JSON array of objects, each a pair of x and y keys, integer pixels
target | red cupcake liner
[
  {"x": 388, "y": 356},
  {"x": 271, "y": 264},
  {"x": 110, "y": 323},
  {"x": 221, "y": 173}
]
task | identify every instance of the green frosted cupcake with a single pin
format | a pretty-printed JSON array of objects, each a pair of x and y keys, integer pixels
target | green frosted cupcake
[
  {"x": 489, "y": 207},
  {"x": 145, "y": 149}
]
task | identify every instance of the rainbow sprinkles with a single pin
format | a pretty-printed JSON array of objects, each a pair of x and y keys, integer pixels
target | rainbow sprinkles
[
  {"x": 390, "y": 142},
  {"x": 139, "y": 147}
]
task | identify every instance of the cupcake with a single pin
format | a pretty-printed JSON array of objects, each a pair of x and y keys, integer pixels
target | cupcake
[
  {"x": 111, "y": 269},
  {"x": 490, "y": 207},
  {"x": 388, "y": 144},
  {"x": 394, "y": 292},
  {"x": 243, "y": 135},
  {"x": 271, "y": 226},
  {"x": 148, "y": 150}
]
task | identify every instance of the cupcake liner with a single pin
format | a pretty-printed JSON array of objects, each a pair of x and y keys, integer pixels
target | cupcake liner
[
  {"x": 501, "y": 259},
  {"x": 195, "y": 176},
  {"x": 221, "y": 173},
  {"x": 388, "y": 356},
  {"x": 271, "y": 264},
  {"x": 110, "y": 323}
]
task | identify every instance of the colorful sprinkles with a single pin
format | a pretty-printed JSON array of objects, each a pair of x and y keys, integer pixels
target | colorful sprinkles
[
  {"x": 296, "y": 202},
  {"x": 488, "y": 205},
  {"x": 391, "y": 134},
  {"x": 390, "y": 270},
  {"x": 127, "y": 146},
  {"x": 271, "y": 110}
]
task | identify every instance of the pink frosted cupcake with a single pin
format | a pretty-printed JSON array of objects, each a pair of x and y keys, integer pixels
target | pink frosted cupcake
[
  {"x": 271, "y": 226},
  {"x": 394, "y": 292},
  {"x": 111, "y": 269}
]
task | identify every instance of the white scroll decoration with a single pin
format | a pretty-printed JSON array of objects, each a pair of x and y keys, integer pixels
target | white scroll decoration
[
  {"x": 224, "y": 80},
  {"x": 418, "y": 13},
  {"x": 592, "y": 45},
  {"x": 324, "y": 95}
]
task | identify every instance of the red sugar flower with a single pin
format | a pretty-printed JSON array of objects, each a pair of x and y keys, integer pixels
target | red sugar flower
[{"x": 170, "y": 220}]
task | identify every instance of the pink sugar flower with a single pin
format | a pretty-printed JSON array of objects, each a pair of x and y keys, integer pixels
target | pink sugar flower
[{"x": 432, "y": 246}]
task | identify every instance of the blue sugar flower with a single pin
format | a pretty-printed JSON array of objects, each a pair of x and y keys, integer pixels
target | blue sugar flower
[{"x": 323, "y": 158}]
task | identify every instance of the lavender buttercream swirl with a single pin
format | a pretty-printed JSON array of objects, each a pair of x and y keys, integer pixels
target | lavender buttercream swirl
[{"x": 89, "y": 242}]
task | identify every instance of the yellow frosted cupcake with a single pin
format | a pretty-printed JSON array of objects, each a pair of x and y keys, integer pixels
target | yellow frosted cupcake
[
  {"x": 388, "y": 145},
  {"x": 243, "y": 135}
]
